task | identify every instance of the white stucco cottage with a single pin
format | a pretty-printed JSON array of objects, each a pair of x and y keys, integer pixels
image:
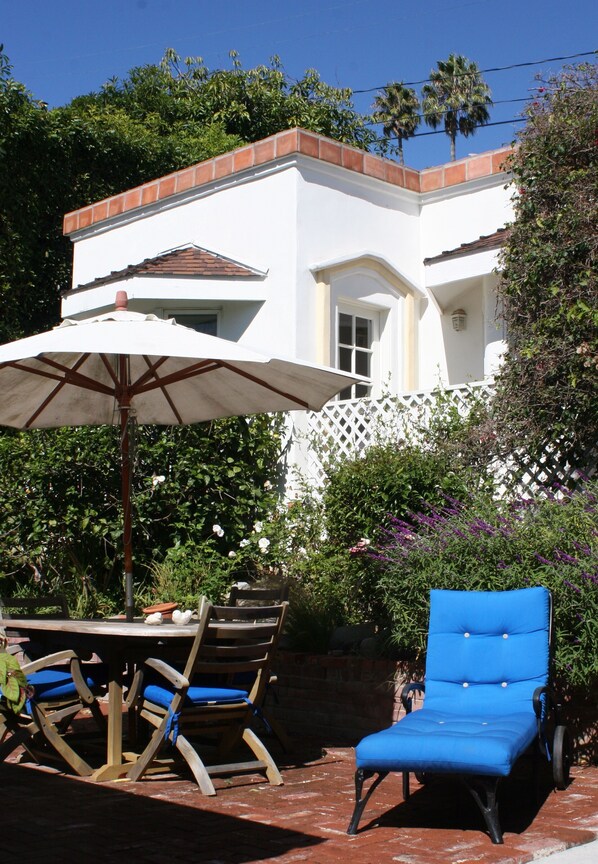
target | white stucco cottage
[
  {"x": 311, "y": 249},
  {"x": 304, "y": 247}
]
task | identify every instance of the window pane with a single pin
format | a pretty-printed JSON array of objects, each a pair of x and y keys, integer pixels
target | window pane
[
  {"x": 344, "y": 359},
  {"x": 361, "y": 390},
  {"x": 346, "y": 393},
  {"x": 345, "y": 329},
  {"x": 207, "y": 323},
  {"x": 362, "y": 363},
  {"x": 363, "y": 333}
]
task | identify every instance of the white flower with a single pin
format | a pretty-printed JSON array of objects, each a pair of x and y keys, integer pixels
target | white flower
[
  {"x": 267, "y": 485},
  {"x": 257, "y": 527},
  {"x": 263, "y": 543},
  {"x": 244, "y": 543},
  {"x": 302, "y": 551},
  {"x": 218, "y": 531},
  {"x": 157, "y": 479},
  {"x": 364, "y": 541},
  {"x": 232, "y": 554}
]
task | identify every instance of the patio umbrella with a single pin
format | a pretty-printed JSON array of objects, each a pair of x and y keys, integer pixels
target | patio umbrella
[{"x": 123, "y": 365}]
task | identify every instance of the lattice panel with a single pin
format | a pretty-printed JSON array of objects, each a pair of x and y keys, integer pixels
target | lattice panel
[{"x": 349, "y": 427}]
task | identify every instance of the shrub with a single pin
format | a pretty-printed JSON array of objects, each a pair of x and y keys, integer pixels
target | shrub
[
  {"x": 62, "y": 523},
  {"x": 483, "y": 544},
  {"x": 392, "y": 478}
]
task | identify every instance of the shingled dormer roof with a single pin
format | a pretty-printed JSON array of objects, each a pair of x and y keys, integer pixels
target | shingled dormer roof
[
  {"x": 183, "y": 261},
  {"x": 482, "y": 244}
]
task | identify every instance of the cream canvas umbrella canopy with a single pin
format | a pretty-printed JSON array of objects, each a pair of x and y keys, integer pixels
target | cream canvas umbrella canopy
[{"x": 123, "y": 365}]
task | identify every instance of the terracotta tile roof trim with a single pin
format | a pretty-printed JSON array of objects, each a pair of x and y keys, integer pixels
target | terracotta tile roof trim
[
  {"x": 483, "y": 243},
  {"x": 276, "y": 147}
]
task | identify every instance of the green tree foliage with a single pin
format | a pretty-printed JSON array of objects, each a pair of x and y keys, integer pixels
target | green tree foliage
[
  {"x": 248, "y": 103},
  {"x": 62, "y": 520},
  {"x": 547, "y": 390},
  {"x": 52, "y": 162},
  {"x": 397, "y": 108},
  {"x": 456, "y": 97}
]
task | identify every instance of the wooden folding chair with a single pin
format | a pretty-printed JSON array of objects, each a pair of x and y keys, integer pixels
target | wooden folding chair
[
  {"x": 57, "y": 691},
  {"x": 211, "y": 703}
]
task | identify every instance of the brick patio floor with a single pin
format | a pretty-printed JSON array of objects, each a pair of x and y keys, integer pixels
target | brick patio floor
[{"x": 52, "y": 817}]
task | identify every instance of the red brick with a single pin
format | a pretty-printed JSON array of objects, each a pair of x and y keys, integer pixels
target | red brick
[
  {"x": 330, "y": 151},
  {"x": 412, "y": 180},
  {"x": 116, "y": 205},
  {"x": 498, "y": 160},
  {"x": 431, "y": 180},
  {"x": 185, "y": 179},
  {"x": 85, "y": 218},
  {"x": 167, "y": 186},
  {"x": 203, "y": 173},
  {"x": 309, "y": 145},
  {"x": 454, "y": 174},
  {"x": 265, "y": 151},
  {"x": 352, "y": 159},
  {"x": 243, "y": 158},
  {"x": 223, "y": 166},
  {"x": 479, "y": 166},
  {"x": 287, "y": 142},
  {"x": 100, "y": 211},
  {"x": 149, "y": 193},
  {"x": 70, "y": 223},
  {"x": 373, "y": 166},
  {"x": 394, "y": 174},
  {"x": 132, "y": 199}
]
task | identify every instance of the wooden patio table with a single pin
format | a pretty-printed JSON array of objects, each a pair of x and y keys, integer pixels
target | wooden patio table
[{"x": 117, "y": 643}]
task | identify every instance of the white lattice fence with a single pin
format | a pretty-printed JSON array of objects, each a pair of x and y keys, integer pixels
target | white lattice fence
[{"x": 348, "y": 427}]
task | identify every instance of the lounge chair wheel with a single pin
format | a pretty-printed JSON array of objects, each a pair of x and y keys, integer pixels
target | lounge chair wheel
[{"x": 561, "y": 757}]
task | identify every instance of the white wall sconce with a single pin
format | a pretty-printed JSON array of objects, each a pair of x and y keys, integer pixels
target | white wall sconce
[{"x": 459, "y": 319}]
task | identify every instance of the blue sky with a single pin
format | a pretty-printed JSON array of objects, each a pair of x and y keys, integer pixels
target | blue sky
[{"x": 63, "y": 48}]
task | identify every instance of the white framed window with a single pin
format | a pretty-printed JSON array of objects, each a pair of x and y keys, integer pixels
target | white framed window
[
  {"x": 357, "y": 334},
  {"x": 202, "y": 322}
]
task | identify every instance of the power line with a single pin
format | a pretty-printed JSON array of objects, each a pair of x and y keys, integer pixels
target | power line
[
  {"x": 478, "y": 126},
  {"x": 448, "y": 110},
  {"x": 493, "y": 69},
  {"x": 443, "y": 132}
]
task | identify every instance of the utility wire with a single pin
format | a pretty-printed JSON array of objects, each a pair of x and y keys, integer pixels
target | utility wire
[
  {"x": 493, "y": 69},
  {"x": 478, "y": 126},
  {"x": 448, "y": 111}
]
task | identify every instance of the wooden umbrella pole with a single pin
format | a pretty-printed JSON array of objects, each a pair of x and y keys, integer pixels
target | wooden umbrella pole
[{"x": 125, "y": 455}]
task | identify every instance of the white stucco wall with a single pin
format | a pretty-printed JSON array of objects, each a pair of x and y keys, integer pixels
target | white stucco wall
[{"x": 299, "y": 217}]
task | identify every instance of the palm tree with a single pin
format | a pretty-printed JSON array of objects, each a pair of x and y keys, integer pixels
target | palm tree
[
  {"x": 458, "y": 95},
  {"x": 397, "y": 107}
]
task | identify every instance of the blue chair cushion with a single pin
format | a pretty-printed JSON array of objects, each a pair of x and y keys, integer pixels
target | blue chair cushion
[
  {"x": 437, "y": 742},
  {"x": 196, "y": 696},
  {"x": 54, "y": 684},
  {"x": 487, "y": 651}
]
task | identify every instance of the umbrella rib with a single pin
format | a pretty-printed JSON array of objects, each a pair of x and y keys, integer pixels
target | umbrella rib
[
  {"x": 73, "y": 377},
  {"x": 181, "y": 375},
  {"x": 68, "y": 376},
  {"x": 210, "y": 366},
  {"x": 265, "y": 384},
  {"x": 152, "y": 370}
]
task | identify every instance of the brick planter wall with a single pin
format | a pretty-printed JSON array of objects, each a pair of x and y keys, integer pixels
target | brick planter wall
[{"x": 337, "y": 700}]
